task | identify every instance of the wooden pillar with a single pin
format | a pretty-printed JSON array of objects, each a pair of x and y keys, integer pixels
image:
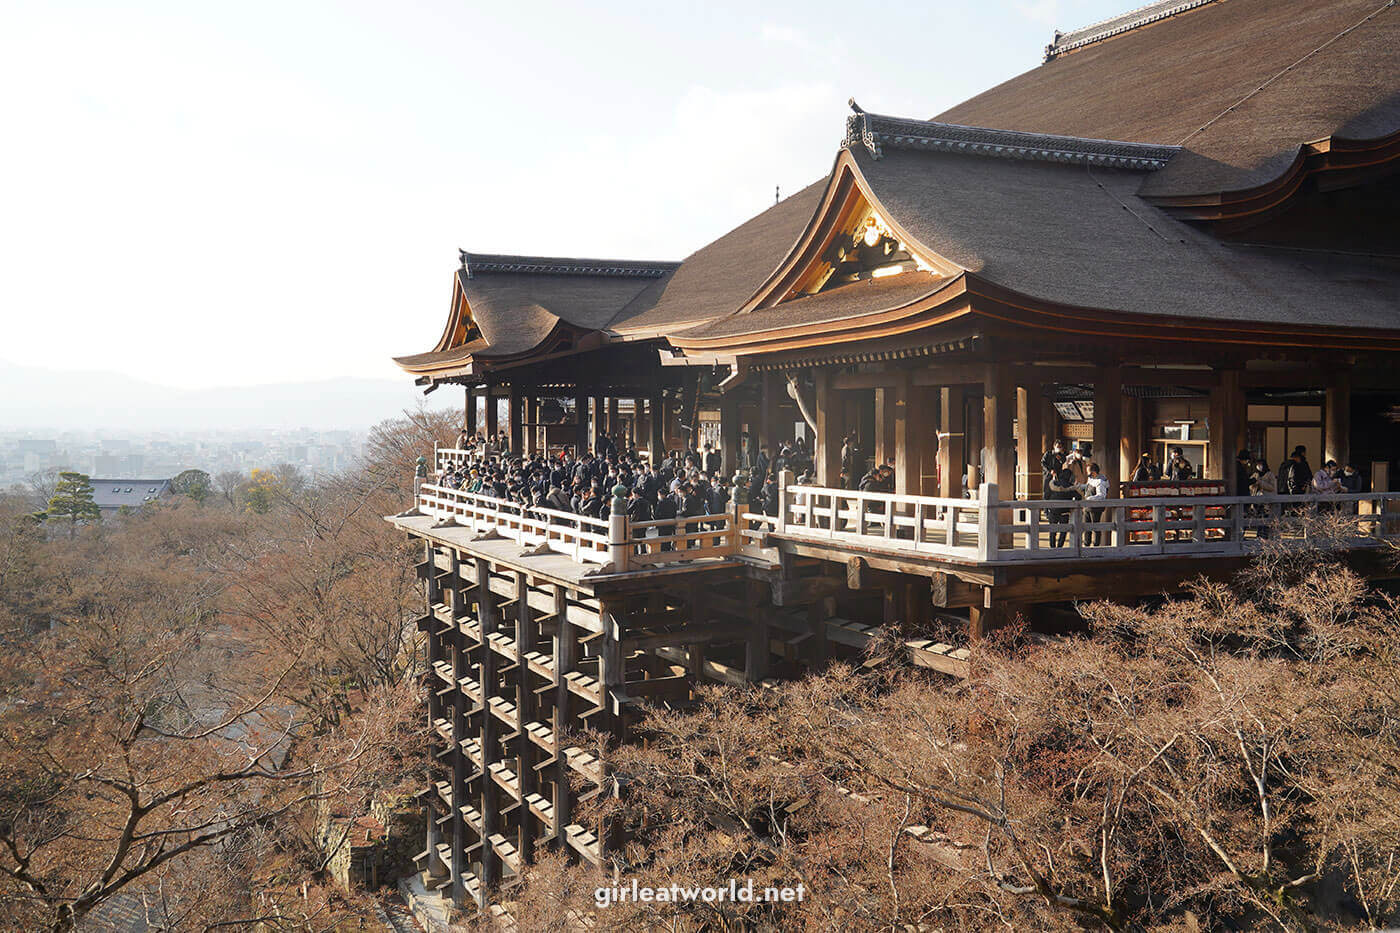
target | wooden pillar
[
  {"x": 458, "y": 660},
  {"x": 492, "y": 413},
  {"x": 923, "y": 434},
  {"x": 516, "y": 413},
  {"x": 951, "y": 442},
  {"x": 566, "y": 652},
  {"x": 1028, "y": 429},
  {"x": 614, "y": 423},
  {"x": 903, "y": 440},
  {"x": 657, "y": 413},
  {"x": 885, "y": 405},
  {"x": 1132, "y": 446},
  {"x": 1226, "y": 418},
  {"x": 1049, "y": 425},
  {"x": 1108, "y": 423},
  {"x": 527, "y": 633},
  {"x": 1336, "y": 443},
  {"x": 580, "y": 423},
  {"x": 974, "y": 424},
  {"x": 487, "y": 615},
  {"x": 470, "y": 419},
  {"x": 829, "y": 428},
  {"x": 729, "y": 432},
  {"x": 998, "y": 404},
  {"x": 532, "y": 419},
  {"x": 768, "y": 413},
  {"x": 599, "y": 413}
]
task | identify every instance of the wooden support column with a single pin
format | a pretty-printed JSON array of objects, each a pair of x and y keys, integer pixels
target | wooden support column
[
  {"x": 829, "y": 429},
  {"x": 985, "y": 619},
  {"x": 904, "y": 441},
  {"x": 600, "y": 413},
  {"x": 611, "y": 670},
  {"x": 951, "y": 442},
  {"x": 768, "y": 414},
  {"x": 923, "y": 434},
  {"x": 580, "y": 423},
  {"x": 566, "y": 652},
  {"x": 757, "y": 650},
  {"x": 1226, "y": 416},
  {"x": 657, "y": 413},
  {"x": 614, "y": 423},
  {"x": 1028, "y": 430},
  {"x": 729, "y": 432},
  {"x": 492, "y": 413},
  {"x": 974, "y": 423},
  {"x": 998, "y": 450},
  {"x": 487, "y": 616},
  {"x": 531, "y": 426},
  {"x": 527, "y": 633},
  {"x": 1049, "y": 425},
  {"x": 432, "y": 592},
  {"x": 1108, "y": 423},
  {"x": 1337, "y": 425},
  {"x": 470, "y": 419},
  {"x": 884, "y": 423},
  {"x": 517, "y": 420},
  {"x": 1132, "y": 447},
  {"x": 459, "y": 734}
]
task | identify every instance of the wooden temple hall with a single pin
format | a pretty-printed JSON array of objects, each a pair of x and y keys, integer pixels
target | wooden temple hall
[{"x": 1178, "y": 232}]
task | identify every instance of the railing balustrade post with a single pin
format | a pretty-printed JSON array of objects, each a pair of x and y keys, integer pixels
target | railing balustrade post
[
  {"x": 987, "y": 536},
  {"x": 785, "y": 478}
]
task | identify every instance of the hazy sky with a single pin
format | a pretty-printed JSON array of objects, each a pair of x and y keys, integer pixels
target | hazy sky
[{"x": 210, "y": 194}]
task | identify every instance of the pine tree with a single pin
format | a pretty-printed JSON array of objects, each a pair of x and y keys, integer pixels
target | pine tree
[{"x": 72, "y": 500}]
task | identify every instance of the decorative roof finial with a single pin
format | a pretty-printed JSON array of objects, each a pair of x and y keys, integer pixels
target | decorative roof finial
[
  {"x": 462, "y": 255},
  {"x": 855, "y": 106}
]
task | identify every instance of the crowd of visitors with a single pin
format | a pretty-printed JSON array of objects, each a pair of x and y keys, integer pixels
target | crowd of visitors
[
  {"x": 688, "y": 482},
  {"x": 1069, "y": 475}
]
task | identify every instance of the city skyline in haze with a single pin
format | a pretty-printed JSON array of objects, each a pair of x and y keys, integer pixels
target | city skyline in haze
[{"x": 209, "y": 196}]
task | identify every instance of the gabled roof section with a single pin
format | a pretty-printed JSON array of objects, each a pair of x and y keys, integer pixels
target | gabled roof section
[
  {"x": 878, "y": 132},
  {"x": 1240, "y": 85},
  {"x": 1066, "y": 42},
  {"x": 1059, "y": 246},
  {"x": 506, "y": 308}
]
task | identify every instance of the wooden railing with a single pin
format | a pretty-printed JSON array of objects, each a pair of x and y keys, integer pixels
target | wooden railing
[
  {"x": 614, "y": 543},
  {"x": 944, "y": 527},
  {"x": 981, "y": 530},
  {"x": 989, "y": 530},
  {"x": 585, "y": 539}
]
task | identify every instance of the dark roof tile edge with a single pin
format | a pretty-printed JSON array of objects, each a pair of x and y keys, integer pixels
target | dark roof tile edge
[
  {"x": 878, "y": 132},
  {"x": 1116, "y": 25},
  {"x": 476, "y": 263}
]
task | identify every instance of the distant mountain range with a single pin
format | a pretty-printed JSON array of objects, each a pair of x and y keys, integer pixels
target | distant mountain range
[{"x": 50, "y": 399}]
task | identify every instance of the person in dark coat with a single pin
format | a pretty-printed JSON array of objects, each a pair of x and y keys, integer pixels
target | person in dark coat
[
  {"x": 1062, "y": 486},
  {"x": 1294, "y": 474},
  {"x": 665, "y": 508},
  {"x": 1050, "y": 463},
  {"x": 712, "y": 459}
]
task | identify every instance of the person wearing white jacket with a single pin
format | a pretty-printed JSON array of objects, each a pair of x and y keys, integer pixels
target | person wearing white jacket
[{"x": 1095, "y": 490}]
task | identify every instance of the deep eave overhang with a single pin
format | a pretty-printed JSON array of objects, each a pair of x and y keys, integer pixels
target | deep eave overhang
[
  {"x": 1335, "y": 161},
  {"x": 977, "y": 299}
]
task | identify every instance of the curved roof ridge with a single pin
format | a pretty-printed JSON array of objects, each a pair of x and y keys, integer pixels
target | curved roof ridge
[
  {"x": 1117, "y": 25},
  {"x": 878, "y": 132},
  {"x": 477, "y": 263}
]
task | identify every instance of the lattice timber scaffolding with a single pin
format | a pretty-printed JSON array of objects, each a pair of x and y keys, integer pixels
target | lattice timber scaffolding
[{"x": 520, "y": 663}]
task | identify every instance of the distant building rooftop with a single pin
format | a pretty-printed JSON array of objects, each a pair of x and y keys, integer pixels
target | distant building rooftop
[{"x": 112, "y": 494}]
